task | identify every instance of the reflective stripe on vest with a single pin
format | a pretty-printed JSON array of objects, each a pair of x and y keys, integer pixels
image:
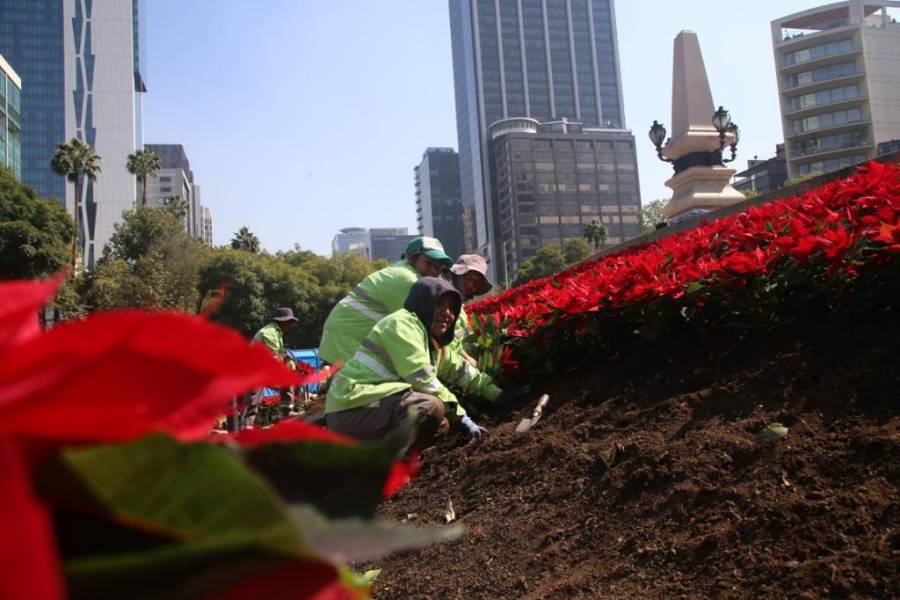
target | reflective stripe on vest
[
  {"x": 359, "y": 307},
  {"x": 365, "y": 297},
  {"x": 376, "y": 366}
]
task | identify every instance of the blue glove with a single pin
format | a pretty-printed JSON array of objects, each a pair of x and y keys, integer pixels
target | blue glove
[{"x": 472, "y": 428}]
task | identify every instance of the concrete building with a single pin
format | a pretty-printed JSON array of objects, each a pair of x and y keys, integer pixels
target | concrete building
[
  {"x": 206, "y": 231},
  {"x": 389, "y": 242},
  {"x": 554, "y": 178},
  {"x": 763, "y": 176},
  {"x": 10, "y": 118},
  {"x": 439, "y": 209},
  {"x": 838, "y": 71},
  {"x": 174, "y": 180},
  {"x": 352, "y": 239},
  {"x": 80, "y": 62},
  {"x": 379, "y": 242},
  {"x": 541, "y": 59}
]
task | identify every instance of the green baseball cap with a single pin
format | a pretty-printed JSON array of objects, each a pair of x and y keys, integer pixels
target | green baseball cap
[{"x": 430, "y": 247}]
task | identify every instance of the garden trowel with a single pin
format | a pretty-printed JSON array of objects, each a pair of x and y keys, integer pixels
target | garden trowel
[{"x": 526, "y": 424}]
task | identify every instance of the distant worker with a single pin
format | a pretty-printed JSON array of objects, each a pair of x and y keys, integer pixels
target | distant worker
[
  {"x": 377, "y": 296},
  {"x": 400, "y": 366},
  {"x": 271, "y": 335}
]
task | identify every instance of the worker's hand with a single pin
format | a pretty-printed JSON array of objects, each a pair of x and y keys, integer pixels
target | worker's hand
[
  {"x": 472, "y": 428},
  {"x": 514, "y": 395}
]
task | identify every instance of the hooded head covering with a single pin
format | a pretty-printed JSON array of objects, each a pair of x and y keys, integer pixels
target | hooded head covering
[{"x": 423, "y": 299}]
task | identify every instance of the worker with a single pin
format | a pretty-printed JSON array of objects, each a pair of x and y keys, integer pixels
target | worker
[
  {"x": 271, "y": 335},
  {"x": 403, "y": 365},
  {"x": 377, "y": 296},
  {"x": 469, "y": 276}
]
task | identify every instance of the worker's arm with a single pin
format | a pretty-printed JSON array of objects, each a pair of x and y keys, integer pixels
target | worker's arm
[{"x": 456, "y": 371}]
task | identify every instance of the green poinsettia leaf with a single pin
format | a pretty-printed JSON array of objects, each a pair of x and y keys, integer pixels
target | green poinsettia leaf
[
  {"x": 348, "y": 540},
  {"x": 339, "y": 480}
]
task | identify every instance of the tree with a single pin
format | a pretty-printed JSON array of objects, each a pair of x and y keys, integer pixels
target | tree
[
  {"x": 177, "y": 206},
  {"x": 575, "y": 250},
  {"x": 595, "y": 233},
  {"x": 142, "y": 164},
  {"x": 151, "y": 261},
  {"x": 651, "y": 214},
  {"x": 35, "y": 234},
  {"x": 800, "y": 178},
  {"x": 245, "y": 240},
  {"x": 75, "y": 161},
  {"x": 546, "y": 261}
]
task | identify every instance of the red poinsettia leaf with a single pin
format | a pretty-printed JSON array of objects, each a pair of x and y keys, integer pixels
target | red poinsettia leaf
[
  {"x": 29, "y": 566},
  {"x": 119, "y": 375},
  {"x": 285, "y": 431},
  {"x": 307, "y": 579},
  {"x": 20, "y": 302},
  {"x": 401, "y": 473}
]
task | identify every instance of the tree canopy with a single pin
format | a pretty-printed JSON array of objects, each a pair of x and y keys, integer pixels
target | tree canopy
[
  {"x": 245, "y": 240},
  {"x": 651, "y": 214},
  {"x": 35, "y": 233}
]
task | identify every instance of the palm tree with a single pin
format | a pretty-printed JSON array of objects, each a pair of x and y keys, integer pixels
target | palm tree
[
  {"x": 142, "y": 164},
  {"x": 177, "y": 206},
  {"x": 76, "y": 160},
  {"x": 595, "y": 233},
  {"x": 245, "y": 240}
]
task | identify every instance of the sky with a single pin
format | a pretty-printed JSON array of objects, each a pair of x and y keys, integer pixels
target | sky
[{"x": 301, "y": 117}]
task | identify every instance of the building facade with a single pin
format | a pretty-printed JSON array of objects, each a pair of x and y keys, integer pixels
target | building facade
[
  {"x": 10, "y": 118},
  {"x": 352, "y": 239},
  {"x": 174, "y": 180},
  {"x": 838, "y": 71},
  {"x": 554, "y": 178},
  {"x": 206, "y": 232},
  {"x": 389, "y": 242},
  {"x": 763, "y": 176},
  {"x": 439, "y": 209},
  {"x": 546, "y": 60},
  {"x": 80, "y": 63}
]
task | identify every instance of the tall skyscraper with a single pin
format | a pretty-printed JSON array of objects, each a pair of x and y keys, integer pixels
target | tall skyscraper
[
  {"x": 547, "y": 60},
  {"x": 10, "y": 118},
  {"x": 439, "y": 208},
  {"x": 838, "y": 71},
  {"x": 80, "y": 63}
]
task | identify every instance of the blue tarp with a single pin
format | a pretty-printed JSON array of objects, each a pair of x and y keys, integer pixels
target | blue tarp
[{"x": 311, "y": 357}]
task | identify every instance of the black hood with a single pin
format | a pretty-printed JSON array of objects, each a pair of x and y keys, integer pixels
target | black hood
[{"x": 423, "y": 299}]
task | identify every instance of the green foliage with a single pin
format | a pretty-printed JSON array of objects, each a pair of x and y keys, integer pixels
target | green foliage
[
  {"x": 651, "y": 214},
  {"x": 177, "y": 206},
  {"x": 546, "y": 261},
  {"x": 575, "y": 250},
  {"x": 748, "y": 193},
  {"x": 142, "y": 164},
  {"x": 35, "y": 234},
  {"x": 150, "y": 261},
  {"x": 800, "y": 178},
  {"x": 246, "y": 241},
  {"x": 595, "y": 233},
  {"x": 257, "y": 284}
]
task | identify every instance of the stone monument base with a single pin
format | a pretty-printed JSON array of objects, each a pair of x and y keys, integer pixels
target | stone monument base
[{"x": 701, "y": 187}]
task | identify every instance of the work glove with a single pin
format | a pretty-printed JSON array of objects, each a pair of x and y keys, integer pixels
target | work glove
[
  {"x": 472, "y": 428},
  {"x": 514, "y": 395}
]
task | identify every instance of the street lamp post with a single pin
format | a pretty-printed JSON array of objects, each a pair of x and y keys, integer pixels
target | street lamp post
[{"x": 722, "y": 122}]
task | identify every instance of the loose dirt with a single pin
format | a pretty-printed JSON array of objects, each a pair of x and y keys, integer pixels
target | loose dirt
[{"x": 648, "y": 477}]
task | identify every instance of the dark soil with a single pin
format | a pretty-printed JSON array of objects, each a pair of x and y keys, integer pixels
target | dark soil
[{"x": 648, "y": 477}]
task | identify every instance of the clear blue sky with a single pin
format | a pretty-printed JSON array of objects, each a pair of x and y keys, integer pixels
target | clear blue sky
[{"x": 304, "y": 116}]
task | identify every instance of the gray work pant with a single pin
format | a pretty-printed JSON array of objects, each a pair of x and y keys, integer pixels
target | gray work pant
[{"x": 376, "y": 422}]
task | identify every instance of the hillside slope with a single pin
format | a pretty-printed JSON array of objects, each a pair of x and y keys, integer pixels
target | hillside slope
[{"x": 648, "y": 476}]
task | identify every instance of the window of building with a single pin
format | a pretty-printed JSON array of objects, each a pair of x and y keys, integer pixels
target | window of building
[
  {"x": 821, "y": 74},
  {"x": 610, "y": 208},
  {"x": 569, "y": 220},
  {"x": 544, "y": 166},
  {"x": 165, "y": 178},
  {"x": 565, "y": 187},
  {"x": 583, "y": 144},
  {"x": 630, "y": 208},
  {"x": 820, "y": 51},
  {"x": 546, "y": 188},
  {"x": 165, "y": 189},
  {"x": 544, "y": 220},
  {"x": 829, "y": 96},
  {"x": 584, "y": 166},
  {"x": 823, "y": 121},
  {"x": 585, "y": 187},
  {"x": 629, "y": 219},
  {"x": 545, "y": 144},
  {"x": 590, "y": 209}
]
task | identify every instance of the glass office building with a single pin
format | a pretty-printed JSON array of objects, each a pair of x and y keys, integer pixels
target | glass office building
[
  {"x": 10, "y": 118},
  {"x": 80, "y": 64},
  {"x": 547, "y": 60},
  {"x": 439, "y": 209}
]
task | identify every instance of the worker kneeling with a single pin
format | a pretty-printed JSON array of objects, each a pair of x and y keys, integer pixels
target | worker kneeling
[{"x": 400, "y": 366}]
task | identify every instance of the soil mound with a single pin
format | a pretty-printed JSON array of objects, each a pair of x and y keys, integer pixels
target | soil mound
[{"x": 649, "y": 477}]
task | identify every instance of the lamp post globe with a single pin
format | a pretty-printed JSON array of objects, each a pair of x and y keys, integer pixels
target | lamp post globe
[
  {"x": 657, "y": 134},
  {"x": 721, "y": 119}
]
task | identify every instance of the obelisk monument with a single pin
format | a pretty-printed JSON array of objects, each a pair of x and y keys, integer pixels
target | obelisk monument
[{"x": 701, "y": 180}]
